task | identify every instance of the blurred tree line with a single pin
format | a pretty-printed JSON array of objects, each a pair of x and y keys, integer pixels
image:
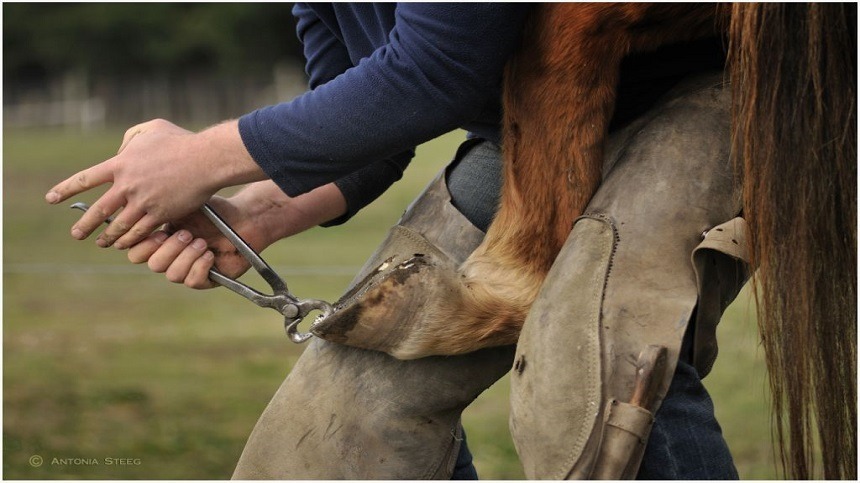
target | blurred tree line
[
  {"x": 44, "y": 40},
  {"x": 92, "y": 64}
]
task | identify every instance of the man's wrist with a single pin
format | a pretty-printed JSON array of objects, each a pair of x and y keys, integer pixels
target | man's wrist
[
  {"x": 275, "y": 215},
  {"x": 226, "y": 160},
  {"x": 259, "y": 207}
]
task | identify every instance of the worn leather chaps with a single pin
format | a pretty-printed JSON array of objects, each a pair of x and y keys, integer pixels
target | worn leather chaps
[
  {"x": 597, "y": 351},
  {"x": 349, "y": 413},
  {"x": 658, "y": 246}
]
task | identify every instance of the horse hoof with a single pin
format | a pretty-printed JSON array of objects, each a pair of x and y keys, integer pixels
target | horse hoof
[{"x": 396, "y": 309}]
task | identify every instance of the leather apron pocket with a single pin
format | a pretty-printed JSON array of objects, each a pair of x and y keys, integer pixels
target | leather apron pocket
[{"x": 626, "y": 430}]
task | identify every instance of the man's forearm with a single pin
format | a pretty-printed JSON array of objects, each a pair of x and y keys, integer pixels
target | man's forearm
[{"x": 275, "y": 215}]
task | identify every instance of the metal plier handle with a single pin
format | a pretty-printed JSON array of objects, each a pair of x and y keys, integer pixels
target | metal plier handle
[{"x": 293, "y": 309}]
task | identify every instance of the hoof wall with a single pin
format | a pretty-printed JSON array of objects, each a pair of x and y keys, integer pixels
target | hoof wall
[{"x": 393, "y": 308}]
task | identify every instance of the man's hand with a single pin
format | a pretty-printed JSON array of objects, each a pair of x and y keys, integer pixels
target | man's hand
[
  {"x": 183, "y": 256},
  {"x": 160, "y": 173},
  {"x": 261, "y": 214}
]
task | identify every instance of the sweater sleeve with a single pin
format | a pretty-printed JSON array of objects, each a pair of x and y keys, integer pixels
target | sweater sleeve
[
  {"x": 326, "y": 58},
  {"x": 325, "y": 55},
  {"x": 436, "y": 72},
  {"x": 363, "y": 186}
]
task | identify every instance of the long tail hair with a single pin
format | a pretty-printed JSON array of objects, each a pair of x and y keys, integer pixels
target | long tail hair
[{"x": 794, "y": 74}]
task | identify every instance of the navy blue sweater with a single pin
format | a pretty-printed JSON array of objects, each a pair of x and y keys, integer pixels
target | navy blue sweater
[
  {"x": 384, "y": 78},
  {"x": 387, "y": 77}
]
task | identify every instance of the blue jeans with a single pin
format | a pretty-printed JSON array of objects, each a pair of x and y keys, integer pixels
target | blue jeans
[{"x": 686, "y": 441}]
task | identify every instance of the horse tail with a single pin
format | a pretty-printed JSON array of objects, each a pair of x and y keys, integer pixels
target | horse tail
[{"x": 793, "y": 70}]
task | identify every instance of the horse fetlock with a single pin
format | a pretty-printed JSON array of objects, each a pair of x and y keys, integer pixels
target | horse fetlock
[{"x": 496, "y": 301}]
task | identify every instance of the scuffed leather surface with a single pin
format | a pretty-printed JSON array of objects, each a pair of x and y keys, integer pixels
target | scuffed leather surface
[
  {"x": 556, "y": 401},
  {"x": 347, "y": 413},
  {"x": 667, "y": 179}
]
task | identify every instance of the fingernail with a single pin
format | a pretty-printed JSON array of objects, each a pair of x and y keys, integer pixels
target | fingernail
[
  {"x": 101, "y": 242},
  {"x": 208, "y": 256},
  {"x": 52, "y": 197},
  {"x": 160, "y": 237},
  {"x": 199, "y": 244},
  {"x": 184, "y": 236},
  {"x": 77, "y": 233}
]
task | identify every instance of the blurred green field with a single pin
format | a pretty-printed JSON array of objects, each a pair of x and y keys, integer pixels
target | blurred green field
[{"x": 103, "y": 359}]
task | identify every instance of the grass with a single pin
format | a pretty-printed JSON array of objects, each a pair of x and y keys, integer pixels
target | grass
[{"x": 103, "y": 359}]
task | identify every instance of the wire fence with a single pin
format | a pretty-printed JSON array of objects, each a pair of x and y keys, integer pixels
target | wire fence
[{"x": 129, "y": 269}]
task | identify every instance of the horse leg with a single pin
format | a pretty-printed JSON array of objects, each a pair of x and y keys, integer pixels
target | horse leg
[{"x": 551, "y": 171}]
